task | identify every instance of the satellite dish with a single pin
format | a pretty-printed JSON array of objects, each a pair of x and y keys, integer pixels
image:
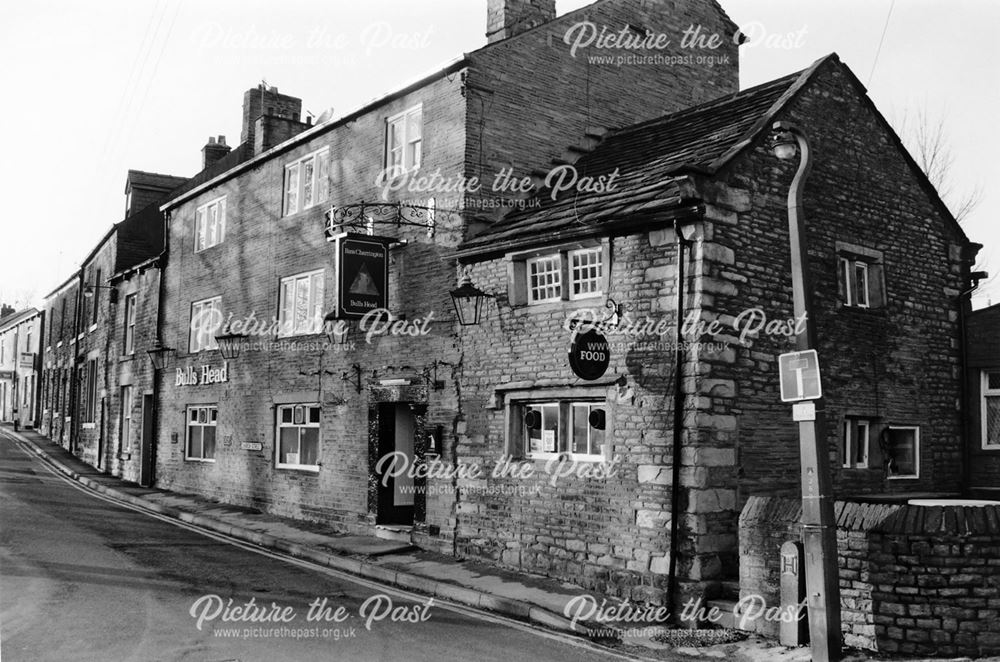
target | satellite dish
[{"x": 325, "y": 115}]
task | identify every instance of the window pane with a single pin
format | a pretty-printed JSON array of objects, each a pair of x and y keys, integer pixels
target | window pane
[
  {"x": 309, "y": 447},
  {"x": 199, "y": 239},
  {"x": 222, "y": 220},
  {"x": 308, "y": 167},
  {"x": 993, "y": 381},
  {"x": 845, "y": 445},
  {"x": 550, "y": 428},
  {"x": 323, "y": 178},
  {"x": 544, "y": 278},
  {"x": 301, "y": 303},
  {"x": 903, "y": 452},
  {"x": 861, "y": 443},
  {"x": 316, "y": 298},
  {"x": 314, "y": 414},
  {"x": 581, "y": 428},
  {"x": 286, "y": 415},
  {"x": 586, "y": 271},
  {"x": 288, "y": 445},
  {"x": 395, "y": 136},
  {"x": 414, "y": 125},
  {"x": 861, "y": 283},
  {"x": 992, "y": 423},
  {"x": 208, "y": 441},
  {"x": 845, "y": 283},
  {"x": 194, "y": 441},
  {"x": 213, "y": 226},
  {"x": 292, "y": 189}
]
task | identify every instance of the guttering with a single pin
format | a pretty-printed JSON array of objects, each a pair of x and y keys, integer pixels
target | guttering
[{"x": 448, "y": 68}]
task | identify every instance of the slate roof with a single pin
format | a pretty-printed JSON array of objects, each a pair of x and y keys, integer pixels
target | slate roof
[
  {"x": 14, "y": 318},
  {"x": 652, "y": 159},
  {"x": 154, "y": 180}
]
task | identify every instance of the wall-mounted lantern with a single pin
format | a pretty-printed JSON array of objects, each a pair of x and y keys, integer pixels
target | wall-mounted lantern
[
  {"x": 336, "y": 329},
  {"x": 230, "y": 344},
  {"x": 160, "y": 356},
  {"x": 90, "y": 290},
  {"x": 468, "y": 300}
]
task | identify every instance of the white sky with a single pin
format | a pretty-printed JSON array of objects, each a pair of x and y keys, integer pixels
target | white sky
[{"x": 93, "y": 89}]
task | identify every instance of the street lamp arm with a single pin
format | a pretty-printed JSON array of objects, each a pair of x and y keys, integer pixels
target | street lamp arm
[{"x": 796, "y": 234}]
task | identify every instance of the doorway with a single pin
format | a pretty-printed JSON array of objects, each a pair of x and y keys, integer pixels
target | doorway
[
  {"x": 394, "y": 483},
  {"x": 146, "y": 443}
]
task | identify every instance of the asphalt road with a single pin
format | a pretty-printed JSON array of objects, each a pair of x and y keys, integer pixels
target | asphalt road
[{"x": 85, "y": 579}]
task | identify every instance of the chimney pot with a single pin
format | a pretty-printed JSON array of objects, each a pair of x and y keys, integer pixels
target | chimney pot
[
  {"x": 211, "y": 140},
  {"x": 222, "y": 140}
]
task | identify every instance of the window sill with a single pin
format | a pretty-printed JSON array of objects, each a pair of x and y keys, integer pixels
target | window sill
[
  {"x": 568, "y": 457},
  {"x": 126, "y": 357},
  {"x": 202, "y": 460},
  {"x": 88, "y": 426},
  {"x": 317, "y": 206},
  {"x": 93, "y": 327},
  {"x": 308, "y": 469},
  {"x": 904, "y": 477}
]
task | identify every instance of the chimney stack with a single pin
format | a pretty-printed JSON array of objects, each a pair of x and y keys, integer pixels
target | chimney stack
[
  {"x": 506, "y": 18},
  {"x": 213, "y": 151},
  {"x": 265, "y": 100}
]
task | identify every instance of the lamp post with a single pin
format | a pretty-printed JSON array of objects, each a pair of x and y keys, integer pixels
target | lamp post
[{"x": 819, "y": 532}]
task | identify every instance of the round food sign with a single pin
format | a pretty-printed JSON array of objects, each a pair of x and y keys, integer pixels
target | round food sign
[{"x": 589, "y": 354}]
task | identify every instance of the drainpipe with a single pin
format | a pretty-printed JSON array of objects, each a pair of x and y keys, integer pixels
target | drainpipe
[
  {"x": 675, "y": 486},
  {"x": 964, "y": 393}
]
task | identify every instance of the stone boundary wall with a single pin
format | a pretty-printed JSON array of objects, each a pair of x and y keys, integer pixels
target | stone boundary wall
[{"x": 913, "y": 579}]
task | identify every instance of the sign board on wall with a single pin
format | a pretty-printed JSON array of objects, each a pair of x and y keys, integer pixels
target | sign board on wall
[
  {"x": 27, "y": 360},
  {"x": 362, "y": 274},
  {"x": 204, "y": 374},
  {"x": 589, "y": 354}
]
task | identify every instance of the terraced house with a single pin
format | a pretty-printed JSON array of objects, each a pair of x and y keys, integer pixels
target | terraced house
[{"x": 90, "y": 403}]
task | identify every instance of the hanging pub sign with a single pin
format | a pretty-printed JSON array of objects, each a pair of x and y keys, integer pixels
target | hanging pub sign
[
  {"x": 362, "y": 274},
  {"x": 589, "y": 354}
]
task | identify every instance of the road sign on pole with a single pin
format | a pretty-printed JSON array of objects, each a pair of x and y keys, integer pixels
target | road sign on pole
[{"x": 800, "y": 376}]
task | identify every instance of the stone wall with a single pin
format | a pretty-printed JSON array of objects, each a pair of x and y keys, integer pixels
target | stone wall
[
  {"x": 893, "y": 364},
  {"x": 913, "y": 579}
]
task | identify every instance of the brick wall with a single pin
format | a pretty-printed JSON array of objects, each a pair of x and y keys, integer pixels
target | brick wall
[
  {"x": 92, "y": 442},
  {"x": 131, "y": 369},
  {"x": 58, "y": 360},
  {"x": 913, "y": 579},
  {"x": 530, "y": 99},
  {"x": 261, "y": 247}
]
